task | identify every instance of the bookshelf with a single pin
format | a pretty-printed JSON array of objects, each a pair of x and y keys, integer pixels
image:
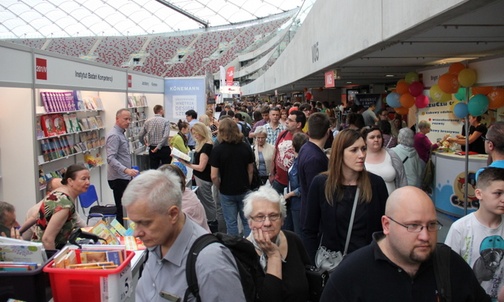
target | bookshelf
[
  {"x": 69, "y": 129},
  {"x": 137, "y": 104}
]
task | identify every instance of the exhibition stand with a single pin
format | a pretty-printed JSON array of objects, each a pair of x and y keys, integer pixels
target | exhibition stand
[{"x": 37, "y": 87}]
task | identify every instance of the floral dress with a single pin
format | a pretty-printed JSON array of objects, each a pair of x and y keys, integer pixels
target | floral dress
[{"x": 55, "y": 202}]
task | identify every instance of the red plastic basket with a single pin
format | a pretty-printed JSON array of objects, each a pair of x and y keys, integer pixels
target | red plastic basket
[{"x": 91, "y": 285}]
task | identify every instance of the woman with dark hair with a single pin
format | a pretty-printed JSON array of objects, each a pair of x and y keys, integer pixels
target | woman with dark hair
[
  {"x": 389, "y": 141},
  {"x": 180, "y": 140},
  {"x": 332, "y": 195},
  {"x": 355, "y": 121},
  {"x": 476, "y": 133},
  {"x": 383, "y": 161},
  {"x": 57, "y": 216},
  {"x": 232, "y": 163}
]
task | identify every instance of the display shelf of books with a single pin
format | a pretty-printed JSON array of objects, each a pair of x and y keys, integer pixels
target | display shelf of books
[
  {"x": 137, "y": 106},
  {"x": 68, "y": 125}
]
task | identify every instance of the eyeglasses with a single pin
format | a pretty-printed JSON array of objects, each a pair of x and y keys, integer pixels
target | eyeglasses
[
  {"x": 262, "y": 218},
  {"x": 417, "y": 228},
  {"x": 486, "y": 139}
]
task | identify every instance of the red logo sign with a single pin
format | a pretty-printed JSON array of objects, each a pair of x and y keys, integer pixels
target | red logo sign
[
  {"x": 41, "y": 69},
  {"x": 329, "y": 79},
  {"x": 130, "y": 80}
]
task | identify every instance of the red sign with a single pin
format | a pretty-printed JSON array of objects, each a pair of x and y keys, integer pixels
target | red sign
[
  {"x": 329, "y": 79},
  {"x": 40, "y": 69},
  {"x": 230, "y": 76},
  {"x": 130, "y": 80}
]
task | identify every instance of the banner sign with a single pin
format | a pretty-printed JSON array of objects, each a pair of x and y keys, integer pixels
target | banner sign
[
  {"x": 329, "y": 79},
  {"x": 368, "y": 99},
  {"x": 183, "y": 94}
]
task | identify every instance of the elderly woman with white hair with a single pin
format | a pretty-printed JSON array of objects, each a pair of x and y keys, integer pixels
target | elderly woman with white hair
[
  {"x": 264, "y": 154},
  {"x": 413, "y": 165},
  {"x": 282, "y": 254}
]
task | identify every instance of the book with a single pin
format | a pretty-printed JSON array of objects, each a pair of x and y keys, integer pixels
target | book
[
  {"x": 58, "y": 124},
  {"x": 46, "y": 122},
  {"x": 101, "y": 230},
  {"x": 22, "y": 251},
  {"x": 180, "y": 155}
]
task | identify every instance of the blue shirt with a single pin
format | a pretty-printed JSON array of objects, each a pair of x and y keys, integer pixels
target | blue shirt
[
  {"x": 216, "y": 270},
  {"x": 118, "y": 154},
  {"x": 494, "y": 164}
]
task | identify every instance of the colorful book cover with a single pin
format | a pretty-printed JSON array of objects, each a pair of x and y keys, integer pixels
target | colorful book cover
[
  {"x": 118, "y": 227},
  {"x": 46, "y": 122},
  {"x": 101, "y": 230}
]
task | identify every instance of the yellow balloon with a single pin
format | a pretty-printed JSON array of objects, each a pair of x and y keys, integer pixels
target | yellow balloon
[
  {"x": 435, "y": 93},
  {"x": 467, "y": 77},
  {"x": 445, "y": 97}
]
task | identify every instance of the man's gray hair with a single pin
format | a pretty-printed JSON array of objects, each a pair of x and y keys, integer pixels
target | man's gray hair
[
  {"x": 5, "y": 207},
  {"x": 160, "y": 189},
  {"x": 264, "y": 193}
]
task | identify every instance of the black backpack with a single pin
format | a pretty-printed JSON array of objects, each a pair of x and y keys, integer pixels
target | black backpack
[
  {"x": 245, "y": 129},
  {"x": 245, "y": 256}
]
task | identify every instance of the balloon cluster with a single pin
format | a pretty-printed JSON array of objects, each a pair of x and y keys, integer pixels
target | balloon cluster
[
  {"x": 457, "y": 81},
  {"x": 408, "y": 92}
]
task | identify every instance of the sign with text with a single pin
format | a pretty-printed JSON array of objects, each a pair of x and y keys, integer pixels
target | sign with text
[
  {"x": 51, "y": 71},
  {"x": 183, "y": 94},
  {"x": 145, "y": 83}
]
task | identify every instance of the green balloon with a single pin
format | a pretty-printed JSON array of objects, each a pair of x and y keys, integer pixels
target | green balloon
[{"x": 461, "y": 94}]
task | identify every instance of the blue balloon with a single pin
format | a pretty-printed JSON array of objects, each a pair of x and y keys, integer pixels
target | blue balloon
[
  {"x": 460, "y": 110},
  {"x": 393, "y": 100},
  {"x": 478, "y": 105}
]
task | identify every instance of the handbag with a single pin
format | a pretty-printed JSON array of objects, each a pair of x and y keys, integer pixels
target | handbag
[
  {"x": 317, "y": 278},
  {"x": 428, "y": 176},
  {"x": 329, "y": 260}
]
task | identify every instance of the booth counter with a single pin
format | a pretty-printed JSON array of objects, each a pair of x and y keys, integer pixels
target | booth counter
[{"x": 449, "y": 182}]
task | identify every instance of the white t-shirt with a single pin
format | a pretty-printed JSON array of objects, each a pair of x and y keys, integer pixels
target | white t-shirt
[
  {"x": 385, "y": 170},
  {"x": 482, "y": 248}
]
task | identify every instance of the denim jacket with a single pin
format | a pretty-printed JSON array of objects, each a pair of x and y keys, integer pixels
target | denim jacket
[{"x": 295, "y": 201}]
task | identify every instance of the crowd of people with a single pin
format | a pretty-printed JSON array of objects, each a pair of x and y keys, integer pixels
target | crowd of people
[{"x": 351, "y": 186}]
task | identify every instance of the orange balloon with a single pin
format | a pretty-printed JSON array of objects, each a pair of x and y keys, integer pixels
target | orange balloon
[
  {"x": 455, "y": 68},
  {"x": 401, "y": 110},
  {"x": 402, "y": 87},
  {"x": 448, "y": 83},
  {"x": 496, "y": 98},
  {"x": 407, "y": 100},
  {"x": 485, "y": 90}
]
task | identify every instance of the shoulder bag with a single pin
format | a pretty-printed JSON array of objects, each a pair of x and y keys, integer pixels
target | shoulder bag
[{"x": 329, "y": 260}]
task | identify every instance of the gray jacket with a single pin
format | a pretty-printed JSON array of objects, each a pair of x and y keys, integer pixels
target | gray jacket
[{"x": 400, "y": 179}]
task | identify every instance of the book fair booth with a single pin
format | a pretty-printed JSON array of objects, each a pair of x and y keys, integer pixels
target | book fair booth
[
  {"x": 56, "y": 111},
  {"x": 445, "y": 97}
]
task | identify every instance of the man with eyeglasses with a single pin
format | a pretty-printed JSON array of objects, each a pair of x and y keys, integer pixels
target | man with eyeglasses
[{"x": 398, "y": 265}]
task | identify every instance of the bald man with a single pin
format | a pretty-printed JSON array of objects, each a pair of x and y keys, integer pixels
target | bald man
[{"x": 398, "y": 264}]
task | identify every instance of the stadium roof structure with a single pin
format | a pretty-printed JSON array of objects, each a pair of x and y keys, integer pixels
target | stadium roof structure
[{"x": 25, "y": 19}]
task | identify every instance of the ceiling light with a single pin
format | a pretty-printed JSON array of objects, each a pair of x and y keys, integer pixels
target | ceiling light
[
  {"x": 389, "y": 75},
  {"x": 453, "y": 60}
]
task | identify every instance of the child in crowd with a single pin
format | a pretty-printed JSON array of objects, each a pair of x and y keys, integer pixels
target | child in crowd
[{"x": 478, "y": 237}]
